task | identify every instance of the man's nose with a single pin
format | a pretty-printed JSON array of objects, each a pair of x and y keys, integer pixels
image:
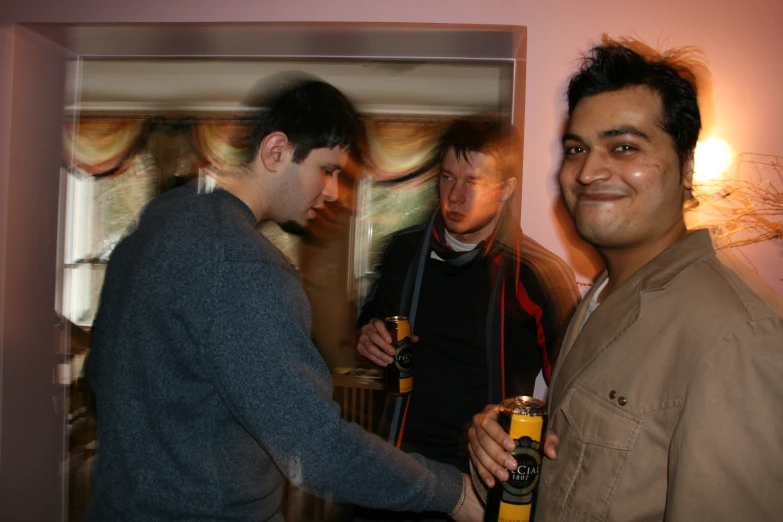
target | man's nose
[
  {"x": 456, "y": 192},
  {"x": 595, "y": 167},
  {"x": 331, "y": 189}
]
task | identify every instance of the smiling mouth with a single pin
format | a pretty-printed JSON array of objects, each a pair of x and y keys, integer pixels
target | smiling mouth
[{"x": 599, "y": 197}]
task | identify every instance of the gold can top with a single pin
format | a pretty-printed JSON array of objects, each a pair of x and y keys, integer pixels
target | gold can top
[
  {"x": 395, "y": 319},
  {"x": 523, "y": 405}
]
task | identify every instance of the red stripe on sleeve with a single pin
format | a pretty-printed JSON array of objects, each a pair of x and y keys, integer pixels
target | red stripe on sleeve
[
  {"x": 532, "y": 308},
  {"x": 402, "y": 424}
]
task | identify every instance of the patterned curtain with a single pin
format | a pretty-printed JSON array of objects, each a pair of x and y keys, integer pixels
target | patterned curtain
[
  {"x": 398, "y": 150},
  {"x": 103, "y": 146},
  {"x": 148, "y": 154},
  {"x": 222, "y": 143}
]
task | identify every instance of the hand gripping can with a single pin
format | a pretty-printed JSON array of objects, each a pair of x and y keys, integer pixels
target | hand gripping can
[
  {"x": 398, "y": 376},
  {"x": 513, "y": 501}
]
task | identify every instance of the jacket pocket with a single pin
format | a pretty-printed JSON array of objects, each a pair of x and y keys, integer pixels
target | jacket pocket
[{"x": 596, "y": 439}]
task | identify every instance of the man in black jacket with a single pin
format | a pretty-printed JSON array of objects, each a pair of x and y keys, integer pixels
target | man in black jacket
[{"x": 484, "y": 300}]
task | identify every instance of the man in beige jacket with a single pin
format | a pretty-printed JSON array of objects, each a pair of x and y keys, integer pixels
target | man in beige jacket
[{"x": 666, "y": 402}]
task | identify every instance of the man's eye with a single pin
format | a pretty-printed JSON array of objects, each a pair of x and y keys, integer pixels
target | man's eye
[
  {"x": 624, "y": 148},
  {"x": 445, "y": 177},
  {"x": 570, "y": 151}
]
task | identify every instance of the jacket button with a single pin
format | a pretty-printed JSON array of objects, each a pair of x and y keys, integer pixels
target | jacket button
[
  {"x": 612, "y": 394},
  {"x": 623, "y": 401}
]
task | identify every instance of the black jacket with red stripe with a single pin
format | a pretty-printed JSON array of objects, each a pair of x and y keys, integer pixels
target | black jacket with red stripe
[{"x": 487, "y": 328}]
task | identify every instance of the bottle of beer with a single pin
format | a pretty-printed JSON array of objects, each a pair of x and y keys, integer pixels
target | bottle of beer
[
  {"x": 514, "y": 500},
  {"x": 398, "y": 376}
]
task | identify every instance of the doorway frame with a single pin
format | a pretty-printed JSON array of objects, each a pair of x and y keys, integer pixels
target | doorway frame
[{"x": 34, "y": 60}]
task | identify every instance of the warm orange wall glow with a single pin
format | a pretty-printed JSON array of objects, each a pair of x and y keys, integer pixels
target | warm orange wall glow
[{"x": 713, "y": 156}]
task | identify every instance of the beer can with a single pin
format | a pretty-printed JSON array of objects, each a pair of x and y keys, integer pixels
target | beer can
[
  {"x": 398, "y": 376},
  {"x": 513, "y": 500}
]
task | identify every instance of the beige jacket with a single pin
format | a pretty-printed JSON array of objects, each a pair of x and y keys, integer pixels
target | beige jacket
[{"x": 669, "y": 402}]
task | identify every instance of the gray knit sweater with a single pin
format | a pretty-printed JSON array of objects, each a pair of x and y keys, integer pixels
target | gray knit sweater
[{"x": 208, "y": 389}]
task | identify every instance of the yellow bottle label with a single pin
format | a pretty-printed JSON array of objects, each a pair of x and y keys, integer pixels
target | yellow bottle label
[
  {"x": 398, "y": 377},
  {"x": 517, "y": 497},
  {"x": 513, "y": 513},
  {"x": 403, "y": 330},
  {"x": 403, "y": 361}
]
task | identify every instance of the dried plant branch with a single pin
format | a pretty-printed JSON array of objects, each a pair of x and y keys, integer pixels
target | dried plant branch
[{"x": 748, "y": 202}]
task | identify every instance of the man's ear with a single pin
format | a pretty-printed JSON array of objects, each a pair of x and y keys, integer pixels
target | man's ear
[
  {"x": 273, "y": 151},
  {"x": 508, "y": 189},
  {"x": 687, "y": 174}
]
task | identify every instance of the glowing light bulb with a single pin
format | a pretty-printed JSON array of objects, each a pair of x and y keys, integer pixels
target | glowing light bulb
[{"x": 711, "y": 159}]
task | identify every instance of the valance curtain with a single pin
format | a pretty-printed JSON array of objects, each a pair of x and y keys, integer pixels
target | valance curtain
[
  {"x": 98, "y": 146},
  {"x": 102, "y": 146}
]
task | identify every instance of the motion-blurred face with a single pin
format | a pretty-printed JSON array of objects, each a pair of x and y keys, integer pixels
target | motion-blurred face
[
  {"x": 307, "y": 185},
  {"x": 472, "y": 193}
]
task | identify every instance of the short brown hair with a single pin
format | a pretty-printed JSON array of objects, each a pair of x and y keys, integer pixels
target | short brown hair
[{"x": 493, "y": 136}]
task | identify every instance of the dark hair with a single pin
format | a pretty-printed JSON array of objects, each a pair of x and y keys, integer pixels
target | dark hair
[
  {"x": 310, "y": 112},
  {"x": 619, "y": 64},
  {"x": 491, "y": 136}
]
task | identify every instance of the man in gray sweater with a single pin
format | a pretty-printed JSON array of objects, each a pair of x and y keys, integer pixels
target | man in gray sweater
[{"x": 209, "y": 392}]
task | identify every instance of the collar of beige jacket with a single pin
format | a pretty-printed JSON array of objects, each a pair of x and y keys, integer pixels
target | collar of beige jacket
[
  {"x": 667, "y": 265},
  {"x": 610, "y": 319},
  {"x": 572, "y": 332}
]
